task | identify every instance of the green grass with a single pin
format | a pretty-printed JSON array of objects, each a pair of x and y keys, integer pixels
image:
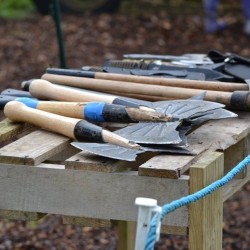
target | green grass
[{"x": 15, "y": 8}]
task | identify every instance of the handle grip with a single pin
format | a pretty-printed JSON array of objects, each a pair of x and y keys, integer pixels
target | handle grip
[
  {"x": 43, "y": 89},
  {"x": 70, "y": 127},
  {"x": 19, "y": 112},
  {"x": 95, "y": 111},
  {"x": 69, "y": 109}
]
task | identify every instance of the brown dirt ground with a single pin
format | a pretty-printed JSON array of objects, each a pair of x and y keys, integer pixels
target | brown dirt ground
[{"x": 28, "y": 46}]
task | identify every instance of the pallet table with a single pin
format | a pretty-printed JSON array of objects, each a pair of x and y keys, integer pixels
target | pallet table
[{"x": 43, "y": 174}]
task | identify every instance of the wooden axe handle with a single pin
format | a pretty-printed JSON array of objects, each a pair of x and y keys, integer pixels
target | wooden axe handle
[
  {"x": 70, "y": 127},
  {"x": 137, "y": 88},
  {"x": 239, "y": 100},
  {"x": 174, "y": 82},
  {"x": 19, "y": 112},
  {"x": 95, "y": 111},
  {"x": 69, "y": 109},
  {"x": 43, "y": 89}
]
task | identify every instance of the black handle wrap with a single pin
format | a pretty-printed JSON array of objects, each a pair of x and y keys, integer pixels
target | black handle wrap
[
  {"x": 26, "y": 85},
  {"x": 239, "y": 100},
  {"x": 125, "y": 102},
  {"x": 86, "y": 131},
  {"x": 115, "y": 113},
  {"x": 71, "y": 72}
]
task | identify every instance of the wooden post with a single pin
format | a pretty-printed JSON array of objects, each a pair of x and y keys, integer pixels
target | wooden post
[
  {"x": 206, "y": 215},
  {"x": 126, "y": 235}
]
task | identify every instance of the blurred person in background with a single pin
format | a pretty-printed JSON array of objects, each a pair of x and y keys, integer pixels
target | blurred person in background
[{"x": 212, "y": 24}]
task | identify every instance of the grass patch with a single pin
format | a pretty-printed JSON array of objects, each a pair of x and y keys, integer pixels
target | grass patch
[{"x": 15, "y": 8}]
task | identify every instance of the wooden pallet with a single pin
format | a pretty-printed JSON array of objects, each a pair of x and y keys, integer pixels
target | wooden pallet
[{"x": 44, "y": 174}]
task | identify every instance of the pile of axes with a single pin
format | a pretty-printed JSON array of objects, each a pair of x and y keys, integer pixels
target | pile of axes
[{"x": 170, "y": 101}]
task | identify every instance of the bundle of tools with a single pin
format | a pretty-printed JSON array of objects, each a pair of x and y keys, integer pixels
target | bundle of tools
[{"x": 169, "y": 101}]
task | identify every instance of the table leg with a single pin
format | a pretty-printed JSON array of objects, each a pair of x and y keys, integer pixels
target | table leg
[
  {"x": 206, "y": 215},
  {"x": 126, "y": 235}
]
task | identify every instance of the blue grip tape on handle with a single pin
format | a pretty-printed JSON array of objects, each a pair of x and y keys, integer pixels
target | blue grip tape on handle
[
  {"x": 93, "y": 112},
  {"x": 29, "y": 102}
]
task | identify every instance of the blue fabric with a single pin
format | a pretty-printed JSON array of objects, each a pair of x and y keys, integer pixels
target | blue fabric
[
  {"x": 184, "y": 201},
  {"x": 211, "y": 8},
  {"x": 93, "y": 112},
  {"x": 30, "y": 102},
  {"x": 246, "y": 9}
]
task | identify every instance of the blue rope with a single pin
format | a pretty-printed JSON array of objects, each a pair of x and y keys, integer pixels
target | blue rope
[{"x": 168, "y": 208}]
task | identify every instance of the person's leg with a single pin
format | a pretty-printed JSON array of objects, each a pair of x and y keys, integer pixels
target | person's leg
[
  {"x": 211, "y": 8},
  {"x": 246, "y": 11},
  {"x": 211, "y": 14}
]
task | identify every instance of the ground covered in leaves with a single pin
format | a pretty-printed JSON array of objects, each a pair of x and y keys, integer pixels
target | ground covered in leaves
[{"x": 29, "y": 46}]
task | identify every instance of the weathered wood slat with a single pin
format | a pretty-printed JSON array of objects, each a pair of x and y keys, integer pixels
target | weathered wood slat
[
  {"x": 33, "y": 148},
  {"x": 94, "y": 222},
  {"x": 86, "y": 222},
  {"x": 87, "y": 193},
  {"x": 89, "y": 162},
  {"x": 235, "y": 154},
  {"x": 62, "y": 156},
  {"x": 10, "y": 129},
  {"x": 213, "y": 135},
  {"x": 20, "y": 215},
  {"x": 235, "y": 185}
]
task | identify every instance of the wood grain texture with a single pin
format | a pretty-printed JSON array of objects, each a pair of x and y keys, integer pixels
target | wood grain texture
[
  {"x": 174, "y": 82},
  {"x": 137, "y": 88},
  {"x": 86, "y": 222},
  {"x": 9, "y": 129},
  {"x": 87, "y": 193},
  {"x": 206, "y": 215},
  {"x": 33, "y": 148},
  {"x": 89, "y": 162},
  {"x": 43, "y": 89}
]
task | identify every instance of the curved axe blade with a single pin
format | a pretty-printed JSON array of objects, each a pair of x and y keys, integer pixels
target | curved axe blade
[
  {"x": 152, "y": 133},
  {"x": 185, "y": 108},
  {"x": 125, "y": 154},
  {"x": 215, "y": 114},
  {"x": 108, "y": 150}
]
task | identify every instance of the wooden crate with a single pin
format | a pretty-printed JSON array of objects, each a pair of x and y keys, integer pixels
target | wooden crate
[{"x": 44, "y": 174}]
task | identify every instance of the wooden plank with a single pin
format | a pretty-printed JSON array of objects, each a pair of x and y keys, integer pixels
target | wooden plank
[
  {"x": 95, "y": 222},
  {"x": 20, "y": 215},
  {"x": 214, "y": 135},
  {"x": 86, "y": 222},
  {"x": 165, "y": 229},
  {"x": 206, "y": 215},
  {"x": 167, "y": 166},
  {"x": 10, "y": 129},
  {"x": 62, "y": 156},
  {"x": 87, "y": 193},
  {"x": 235, "y": 154},
  {"x": 50, "y": 166},
  {"x": 235, "y": 185},
  {"x": 33, "y": 148},
  {"x": 89, "y": 162}
]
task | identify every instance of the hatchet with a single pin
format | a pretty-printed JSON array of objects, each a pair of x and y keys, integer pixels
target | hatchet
[
  {"x": 116, "y": 147},
  {"x": 78, "y": 129}
]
